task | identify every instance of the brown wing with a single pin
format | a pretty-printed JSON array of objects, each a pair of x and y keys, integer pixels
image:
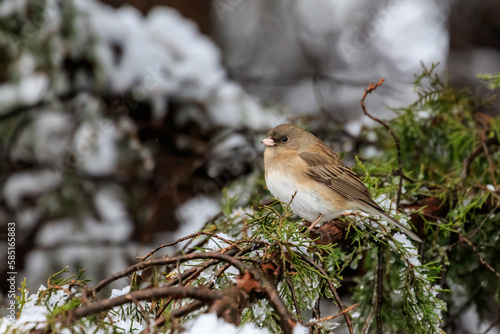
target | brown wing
[{"x": 328, "y": 169}]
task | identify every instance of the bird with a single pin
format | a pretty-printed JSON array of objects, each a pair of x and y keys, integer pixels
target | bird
[{"x": 299, "y": 165}]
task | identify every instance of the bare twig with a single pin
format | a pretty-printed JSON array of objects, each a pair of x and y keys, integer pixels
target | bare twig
[
  {"x": 185, "y": 249},
  {"x": 483, "y": 221},
  {"x": 474, "y": 154},
  {"x": 464, "y": 307},
  {"x": 197, "y": 304},
  {"x": 330, "y": 317},
  {"x": 185, "y": 310},
  {"x": 316, "y": 313},
  {"x": 370, "y": 89},
  {"x": 369, "y": 318},
  {"x": 486, "y": 264},
  {"x": 159, "y": 262},
  {"x": 379, "y": 282},
  {"x": 493, "y": 324},
  {"x": 491, "y": 164},
  {"x": 191, "y": 236}
]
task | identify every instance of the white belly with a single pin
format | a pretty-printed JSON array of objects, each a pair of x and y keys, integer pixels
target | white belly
[{"x": 307, "y": 203}]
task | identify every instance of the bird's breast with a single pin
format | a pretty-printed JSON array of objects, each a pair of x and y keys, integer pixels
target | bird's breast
[{"x": 310, "y": 199}]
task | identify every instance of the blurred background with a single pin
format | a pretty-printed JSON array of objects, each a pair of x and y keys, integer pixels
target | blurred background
[{"x": 122, "y": 121}]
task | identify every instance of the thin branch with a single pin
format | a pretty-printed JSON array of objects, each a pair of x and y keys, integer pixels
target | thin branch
[
  {"x": 486, "y": 264},
  {"x": 185, "y": 249},
  {"x": 294, "y": 296},
  {"x": 316, "y": 313},
  {"x": 378, "y": 283},
  {"x": 159, "y": 262},
  {"x": 483, "y": 221},
  {"x": 197, "y": 304},
  {"x": 191, "y": 236},
  {"x": 493, "y": 324},
  {"x": 474, "y": 154},
  {"x": 203, "y": 294},
  {"x": 330, "y": 317},
  {"x": 287, "y": 321},
  {"x": 370, "y": 89},
  {"x": 491, "y": 165},
  {"x": 185, "y": 310},
  {"x": 369, "y": 318},
  {"x": 464, "y": 307}
]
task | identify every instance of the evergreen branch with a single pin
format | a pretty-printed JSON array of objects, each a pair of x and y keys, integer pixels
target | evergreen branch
[
  {"x": 332, "y": 289},
  {"x": 294, "y": 297}
]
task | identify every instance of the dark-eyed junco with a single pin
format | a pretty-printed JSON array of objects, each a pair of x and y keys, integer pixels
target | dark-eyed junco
[{"x": 297, "y": 163}]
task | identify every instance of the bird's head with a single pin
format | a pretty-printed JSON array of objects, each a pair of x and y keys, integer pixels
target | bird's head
[{"x": 287, "y": 137}]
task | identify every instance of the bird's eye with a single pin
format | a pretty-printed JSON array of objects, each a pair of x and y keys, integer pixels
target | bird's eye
[{"x": 284, "y": 139}]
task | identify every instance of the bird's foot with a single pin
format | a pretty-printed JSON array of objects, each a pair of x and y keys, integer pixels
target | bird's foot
[{"x": 314, "y": 223}]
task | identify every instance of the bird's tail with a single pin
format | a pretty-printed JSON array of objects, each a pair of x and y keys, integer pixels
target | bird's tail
[{"x": 401, "y": 227}]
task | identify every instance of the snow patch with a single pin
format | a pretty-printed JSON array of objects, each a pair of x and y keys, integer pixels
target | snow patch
[{"x": 209, "y": 323}]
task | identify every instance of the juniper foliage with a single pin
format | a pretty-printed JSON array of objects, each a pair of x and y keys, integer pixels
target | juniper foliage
[{"x": 450, "y": 195}]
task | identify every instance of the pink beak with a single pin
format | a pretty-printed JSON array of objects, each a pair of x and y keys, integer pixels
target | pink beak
[{"x": 268, "y": 142}]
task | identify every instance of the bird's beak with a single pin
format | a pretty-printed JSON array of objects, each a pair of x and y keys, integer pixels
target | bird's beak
[{"x": 268, "y": 142}]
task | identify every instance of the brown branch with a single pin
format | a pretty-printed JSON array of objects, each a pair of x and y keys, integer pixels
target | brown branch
[
  {"x": 486, "y": 264},
  {"x": 191, "y": 236},
  {"x": 474, "y": 154},
  {"x": 185, "y": 249},
  {"x": 294, "y": 296},
  {"x": 330, "y": 317},
  {"x": 379, "y": 282},
  {"x": 370, "y": 315},
  {"x": 491, "y": 165},
  {"x": 287, "y": 321},
  {"x": 197, "y": 304},
  {"x": 483, "y": 221},
  {"x": 493, "y": 324},
  {"x": 159, "y": 262},
  {"x": 203, "y": 294},
  {"x": 464, "y": 307},
  {"x": 369, "y": 90},
  {"x": 185, "y": 310}
]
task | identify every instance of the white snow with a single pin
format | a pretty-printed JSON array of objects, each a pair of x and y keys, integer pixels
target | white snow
[
  {"x": 425, "y": 42},
  {"x": 194, "y": 213},
  {"x": 412, "y": 252},
  {"x": 299, "y": 329},
  {"x": 28, "y": 91},
  {"x": 209, "y": 324},
  {"x": 114, "y": 224},
  {"x": 28, "y": 184},
  {"x": 120, "y": 292},
  {"x": 95, "y": 146},
  {"x": 7, "y": 8},
  {"x": 163, "y": 54}
]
